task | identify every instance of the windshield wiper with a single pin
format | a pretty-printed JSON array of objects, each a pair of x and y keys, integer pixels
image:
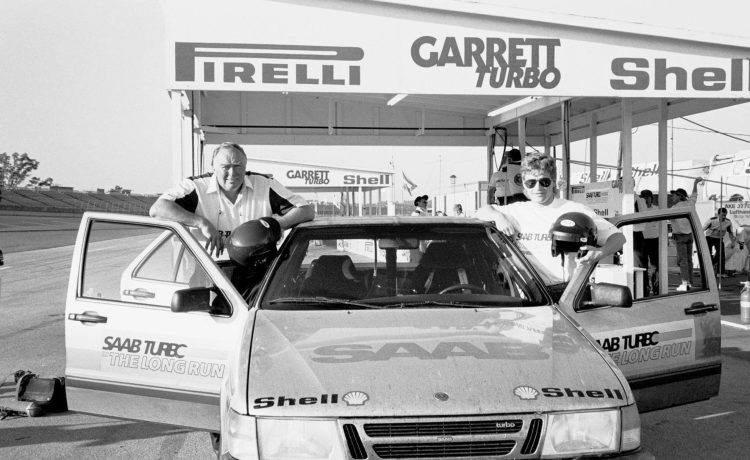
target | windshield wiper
[
  {"x": 322, "y": 300},
  {"x": 431, "y": 303}
]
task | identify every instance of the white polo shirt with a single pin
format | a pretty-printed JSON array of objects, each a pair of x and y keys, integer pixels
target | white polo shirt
[{"x": 260, "y": 196}]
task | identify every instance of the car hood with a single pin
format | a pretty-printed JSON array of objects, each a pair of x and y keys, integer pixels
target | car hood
[{"x": 425, "y": 362}]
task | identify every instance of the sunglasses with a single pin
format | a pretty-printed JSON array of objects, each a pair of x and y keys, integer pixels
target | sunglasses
[{"x": 531, "y": 183}]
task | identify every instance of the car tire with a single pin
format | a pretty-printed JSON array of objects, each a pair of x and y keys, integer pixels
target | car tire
[{"x": 216, "y": 443}]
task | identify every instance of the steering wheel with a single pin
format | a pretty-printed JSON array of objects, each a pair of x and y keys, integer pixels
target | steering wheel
[{"x": 470, "y": 287}]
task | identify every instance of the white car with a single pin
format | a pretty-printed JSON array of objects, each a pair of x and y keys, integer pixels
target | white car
[{"x": 376, "y": 338}]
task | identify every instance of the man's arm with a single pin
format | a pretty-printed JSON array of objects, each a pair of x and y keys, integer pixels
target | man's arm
[
  {"x": 694, "y": 194},
  {"x": 612, "y": 244},
  {"x": 490, "y": 213},
  {"x": 295, "y": 216},
  {"x": 169, "y": 210}
]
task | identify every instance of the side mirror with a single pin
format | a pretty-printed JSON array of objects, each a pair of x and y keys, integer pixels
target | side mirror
[
  {"x": 200, "y": 299},
  {"x": 607, "y": 295}
]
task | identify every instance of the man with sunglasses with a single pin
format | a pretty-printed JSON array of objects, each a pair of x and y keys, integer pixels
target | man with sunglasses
[{"x": 530, "y": 222}]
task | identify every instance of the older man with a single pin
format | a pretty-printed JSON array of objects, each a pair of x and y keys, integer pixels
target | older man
[{"x": 217, "y": 202}]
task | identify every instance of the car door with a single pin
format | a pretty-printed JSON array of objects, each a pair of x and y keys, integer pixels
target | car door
[
  {"x": 128, "y": 354},
  {"x": 668, "y": 343}
]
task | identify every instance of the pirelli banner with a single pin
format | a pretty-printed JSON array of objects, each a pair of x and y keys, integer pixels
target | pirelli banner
[{"x": 296, "y": 47}]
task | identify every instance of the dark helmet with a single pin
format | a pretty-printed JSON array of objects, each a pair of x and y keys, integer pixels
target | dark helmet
[
  {"x": 252, "y": 244},
  {"x": 571, "y": 231}
]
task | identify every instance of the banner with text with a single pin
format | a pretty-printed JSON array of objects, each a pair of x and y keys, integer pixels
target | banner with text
[
  {"x": 605, "y": 198},
  {"x": 399, "y": 50}
]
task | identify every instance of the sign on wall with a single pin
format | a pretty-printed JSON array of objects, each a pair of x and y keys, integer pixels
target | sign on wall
[
  {"x": 605, "y": 198},
  {"x": 738, "y": 212}
]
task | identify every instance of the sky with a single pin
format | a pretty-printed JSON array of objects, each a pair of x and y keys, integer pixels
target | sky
[{"x": 83, "y": 90}]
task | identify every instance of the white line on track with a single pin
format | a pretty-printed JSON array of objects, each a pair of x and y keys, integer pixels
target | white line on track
[
  {"x": 735, "y": 325},
  {"x": 714, "y": 415},
  {"x": 4, "y": 267},
  {"x": 102, "y": 248}
]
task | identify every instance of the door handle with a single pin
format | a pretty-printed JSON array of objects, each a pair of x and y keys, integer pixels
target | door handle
[
  {"x": 139, "y": 293},
  {"x": 698, "y": 308},
  {"x": 87, "y": 317}
]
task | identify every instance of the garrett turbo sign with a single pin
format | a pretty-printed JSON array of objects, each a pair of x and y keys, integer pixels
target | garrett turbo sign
[
  {"x": 335, "y": 178},
  {"x": 499, "y": 63}
]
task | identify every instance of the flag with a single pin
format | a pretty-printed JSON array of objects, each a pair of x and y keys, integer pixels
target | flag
[{"x": 408, "y": 184}]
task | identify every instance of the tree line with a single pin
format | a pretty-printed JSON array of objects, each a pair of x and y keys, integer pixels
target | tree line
[{"x": 15, "y": 169}]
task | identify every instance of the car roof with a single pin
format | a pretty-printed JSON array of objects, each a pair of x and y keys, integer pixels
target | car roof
[{"x": 390, "y": 220}]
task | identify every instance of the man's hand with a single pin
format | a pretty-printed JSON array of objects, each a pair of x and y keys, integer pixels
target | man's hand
[
  {"x": 592, "y": 254},
  {"x": 214, "y": 240},
  {"x": 503, "y": 225}
]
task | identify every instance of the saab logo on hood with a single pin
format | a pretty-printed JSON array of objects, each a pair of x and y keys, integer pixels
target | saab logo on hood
[
  {"x": 353, "y": 353},
  {"x": 527, "y": 392}
]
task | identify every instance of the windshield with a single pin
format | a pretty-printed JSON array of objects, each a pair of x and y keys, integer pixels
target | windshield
[{"x": 400, "y": 266}]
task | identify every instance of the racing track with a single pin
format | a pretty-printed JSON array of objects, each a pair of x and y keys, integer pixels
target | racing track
[
  {"x": 32, "y": 291},
  {"x": 33, "y": 285}
]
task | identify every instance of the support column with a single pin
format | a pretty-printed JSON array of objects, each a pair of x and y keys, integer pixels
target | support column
[
  {"x": 593, "y": 140},
  {"x": 490, "y": 153},
  {"x": 522, "y": 136},
  {"x": 361, "y": 196},
  {"x": 565, "y": 120},
  {"x": 182, "y": 152},
  {"x": 662, "y": 192},
  {"x": 626, "y": 143}
]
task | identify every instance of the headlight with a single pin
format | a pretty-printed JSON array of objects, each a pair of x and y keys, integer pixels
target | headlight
[
  {"x": 582, "y": 433},
  {"x": 240, "y": 436},
  {"x": 292, "y": 439}
]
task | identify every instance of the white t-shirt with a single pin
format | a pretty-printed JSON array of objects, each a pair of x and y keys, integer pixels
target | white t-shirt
[{"x": 533, "y": 221}]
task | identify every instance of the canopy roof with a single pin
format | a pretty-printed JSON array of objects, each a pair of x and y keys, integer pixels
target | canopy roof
[{"x": 323, "y": 71}]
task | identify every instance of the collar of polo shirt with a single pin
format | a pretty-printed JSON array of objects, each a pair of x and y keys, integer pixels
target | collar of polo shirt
[{"x": 213, "y": 185}]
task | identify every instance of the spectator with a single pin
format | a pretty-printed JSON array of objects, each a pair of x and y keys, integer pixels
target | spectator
[
  {"x": 682, "y": 234},
  {"x": 716, "y": 228},
  {"x": 648, "y": 257},
  {"x": 420, "y": 204}
]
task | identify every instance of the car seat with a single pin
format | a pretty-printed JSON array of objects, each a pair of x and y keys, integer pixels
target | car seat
[
  {"x": 442, "y": 265},
  {"x": 332, "y": 276}
]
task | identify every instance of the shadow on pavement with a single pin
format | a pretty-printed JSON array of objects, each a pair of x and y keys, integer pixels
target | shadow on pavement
[{"x": 83, "y": 435}]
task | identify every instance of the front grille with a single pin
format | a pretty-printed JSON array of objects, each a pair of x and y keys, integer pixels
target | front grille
[
  {"x": 356, "y": 448},
  {"x": 444, "y": 449},
  {"x": 532, "y": 439},
  {"x": 469, "y": 428},
  {"x": 467, "y": 437}
]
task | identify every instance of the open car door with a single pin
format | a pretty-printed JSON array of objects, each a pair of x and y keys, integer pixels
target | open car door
[
  {"x": 129, "y": 355},
  {"x": 668, "y": 343}
]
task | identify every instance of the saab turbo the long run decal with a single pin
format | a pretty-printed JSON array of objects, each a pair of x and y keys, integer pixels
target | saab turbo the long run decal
[{"x": 648, "y": 346}]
